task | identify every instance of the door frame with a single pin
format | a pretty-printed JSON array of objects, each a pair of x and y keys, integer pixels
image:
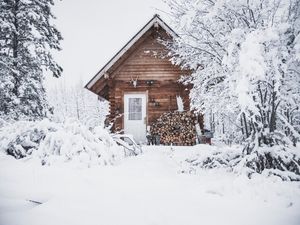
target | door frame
[{"x": 123, "y": 103}]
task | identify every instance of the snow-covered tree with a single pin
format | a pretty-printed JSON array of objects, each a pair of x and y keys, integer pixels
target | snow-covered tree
[
  {"x": 79, "y": 103},
  {"x": 27, "y": 36},
  {"x": 246, "y": 67}
]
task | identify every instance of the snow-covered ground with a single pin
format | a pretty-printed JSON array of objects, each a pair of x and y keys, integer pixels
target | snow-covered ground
[{"x": 141, "y": 190}]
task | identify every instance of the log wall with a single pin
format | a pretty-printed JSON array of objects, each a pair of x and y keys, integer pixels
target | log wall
[{"x": 146, "y": 63}]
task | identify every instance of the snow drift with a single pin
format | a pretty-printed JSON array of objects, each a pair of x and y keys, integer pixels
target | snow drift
[{"x": 52, "y": 142}]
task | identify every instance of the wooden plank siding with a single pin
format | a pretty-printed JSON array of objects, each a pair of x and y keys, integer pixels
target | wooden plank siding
[{"x": 144, "y": 61}]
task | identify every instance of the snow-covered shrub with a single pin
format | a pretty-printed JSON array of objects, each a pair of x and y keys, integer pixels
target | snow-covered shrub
[
  {"x": 19, "y": 139},
  {"x": 3, "y": 122},
  {"x": 276, "y": 161},
  {"x": 216, "y": 159},
  {"x": 210, "y": 157},
  {"x": 59, "y": 142}
]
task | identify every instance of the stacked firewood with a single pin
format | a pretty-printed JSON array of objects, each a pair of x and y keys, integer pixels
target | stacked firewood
[{"x": 176, "y": 128}]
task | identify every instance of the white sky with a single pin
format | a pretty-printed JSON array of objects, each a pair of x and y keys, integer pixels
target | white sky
[{"x": 94, "y": 30}]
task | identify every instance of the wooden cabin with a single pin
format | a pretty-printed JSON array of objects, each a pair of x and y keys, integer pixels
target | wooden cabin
[{"x": 140, "y": 82}]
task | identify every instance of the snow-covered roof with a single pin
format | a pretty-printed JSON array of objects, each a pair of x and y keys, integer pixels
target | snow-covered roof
[{"x": 156, "y": 20}]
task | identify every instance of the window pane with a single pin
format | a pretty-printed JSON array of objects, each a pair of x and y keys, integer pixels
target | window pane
[{"x": 135, "y": 109}]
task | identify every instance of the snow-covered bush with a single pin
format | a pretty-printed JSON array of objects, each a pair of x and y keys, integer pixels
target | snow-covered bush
[
  {"x": 3, "y": 122},
  {"x": 209, "y": 158},
  {"x": 52, "y": 142},
  {"x": 275, "y": 161}
]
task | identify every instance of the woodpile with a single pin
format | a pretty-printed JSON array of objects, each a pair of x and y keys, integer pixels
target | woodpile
[{"x": 176, "y": 128}]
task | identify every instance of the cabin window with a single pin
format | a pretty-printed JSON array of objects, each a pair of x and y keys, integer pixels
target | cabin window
[{"x": 135, "y": 109}]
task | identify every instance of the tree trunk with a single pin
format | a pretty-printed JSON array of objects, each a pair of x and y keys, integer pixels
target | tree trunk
[
  {"x": 15, "y": 46},
  {"x": 245, "y": 125}
]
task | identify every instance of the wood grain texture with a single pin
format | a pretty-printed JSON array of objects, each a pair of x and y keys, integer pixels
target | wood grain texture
[{"x": 144, "y": 61}]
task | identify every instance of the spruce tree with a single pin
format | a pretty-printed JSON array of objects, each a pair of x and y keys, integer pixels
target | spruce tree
[{"x": 27, "y": 36}]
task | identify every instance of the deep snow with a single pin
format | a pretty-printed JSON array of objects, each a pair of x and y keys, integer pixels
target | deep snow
[{"x": 146, "y": 189}]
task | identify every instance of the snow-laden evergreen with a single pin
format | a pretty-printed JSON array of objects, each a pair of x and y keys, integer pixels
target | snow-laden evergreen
[
  {"x": 245, "y": 61},
  {"x": 27, "y": 36}
]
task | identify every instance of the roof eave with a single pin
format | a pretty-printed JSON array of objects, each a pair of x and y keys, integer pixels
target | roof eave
[{"x": 136, "y": 37}]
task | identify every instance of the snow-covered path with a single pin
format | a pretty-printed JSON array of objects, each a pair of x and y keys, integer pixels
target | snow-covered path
[{"x": 146, "y": 189}]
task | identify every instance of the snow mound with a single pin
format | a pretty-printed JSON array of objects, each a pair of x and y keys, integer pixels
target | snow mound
[{"x": 52, "y": 142}]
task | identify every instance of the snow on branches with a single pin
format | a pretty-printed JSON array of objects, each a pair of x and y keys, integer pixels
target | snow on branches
[
  {"x": 79, "y": 103},
  {"x": 27, "y": 36},
  {"x": 244, "y": 55},
  {"x": 50, "y": 142},
  {"x": 245, "y": 61},
  {"x": 276, "y": 162}
]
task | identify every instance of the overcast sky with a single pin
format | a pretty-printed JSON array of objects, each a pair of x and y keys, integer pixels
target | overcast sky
[{"x": 94, "y": 30}]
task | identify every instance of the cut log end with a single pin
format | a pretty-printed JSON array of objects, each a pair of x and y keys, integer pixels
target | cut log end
[{"x": 175, "y": 128}]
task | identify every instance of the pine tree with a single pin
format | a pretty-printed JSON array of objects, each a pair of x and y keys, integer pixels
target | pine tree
[{"x": 27, "y": 37}]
